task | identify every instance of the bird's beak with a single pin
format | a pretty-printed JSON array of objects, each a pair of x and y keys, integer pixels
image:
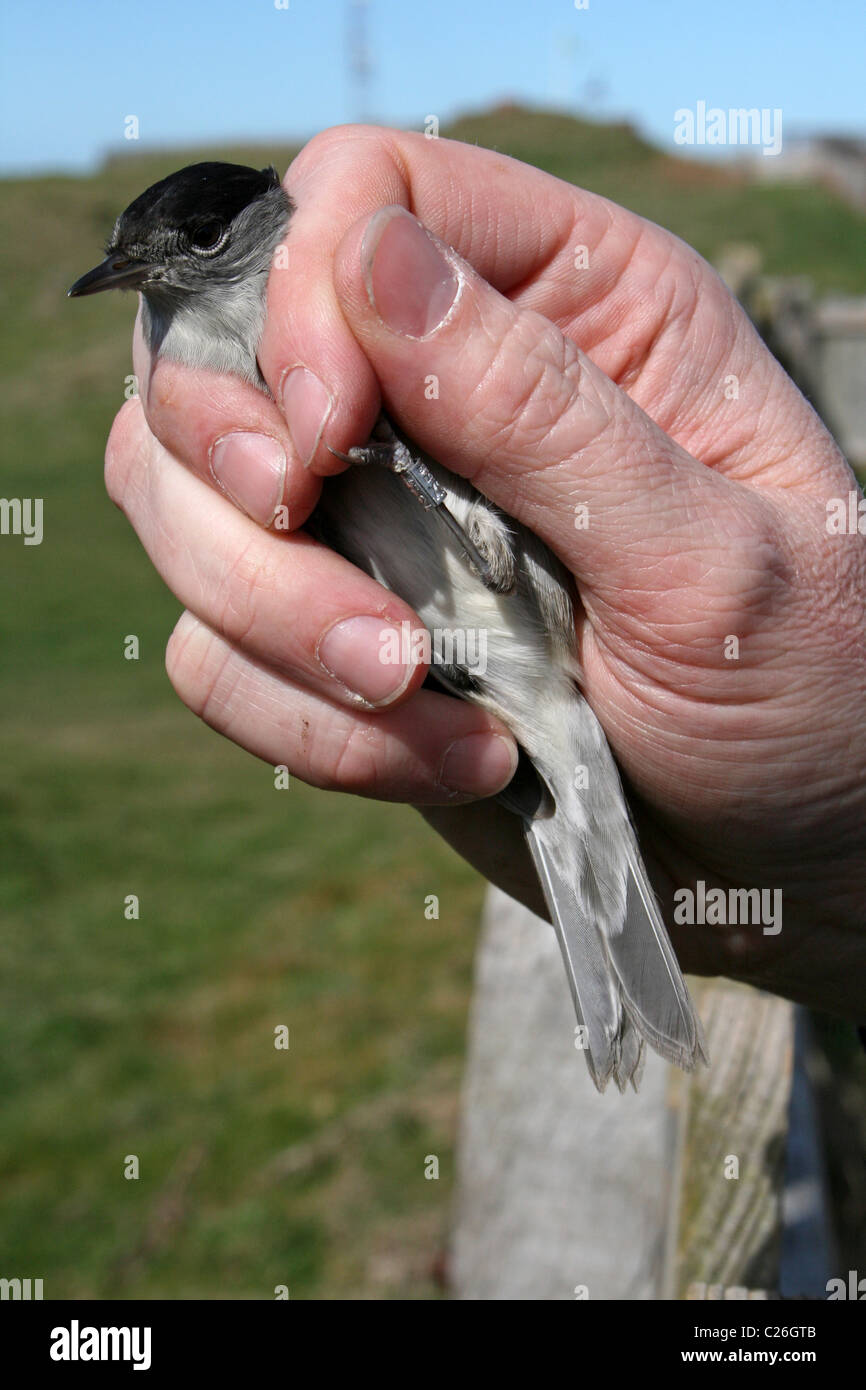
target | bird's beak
[{"x": 116, "y": 272}]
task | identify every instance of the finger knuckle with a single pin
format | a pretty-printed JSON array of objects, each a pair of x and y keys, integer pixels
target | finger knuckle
[
  {"x": 250, "y": 576},
  {"x": 526, "y": 387},
  {"x": 359, "y": 147},
  {"x": 752, "y": 569},
  {"x": 359, "y": 759},
  {"x": 200, "y": 669}
]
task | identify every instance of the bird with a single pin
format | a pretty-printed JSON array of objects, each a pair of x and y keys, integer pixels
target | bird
[{"x": 198, "y": 246}]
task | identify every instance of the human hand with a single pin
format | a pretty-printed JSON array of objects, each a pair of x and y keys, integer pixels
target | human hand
[{"x": 705, "y": 522}]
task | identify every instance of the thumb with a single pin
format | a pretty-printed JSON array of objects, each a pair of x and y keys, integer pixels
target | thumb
[{"x": 498, "y": 394}]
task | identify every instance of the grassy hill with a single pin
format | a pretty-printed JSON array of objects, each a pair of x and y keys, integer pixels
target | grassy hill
[{"x": 154, "y": 1037}]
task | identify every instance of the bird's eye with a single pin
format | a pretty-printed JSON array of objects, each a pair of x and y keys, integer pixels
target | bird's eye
[{"x": 207, "y": 237}]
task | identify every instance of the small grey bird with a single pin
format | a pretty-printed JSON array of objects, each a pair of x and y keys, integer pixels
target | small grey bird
[{"x": 199, "y": 246}]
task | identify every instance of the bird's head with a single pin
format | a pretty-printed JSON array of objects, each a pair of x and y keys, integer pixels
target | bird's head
[{"x": 209, "y": 225}]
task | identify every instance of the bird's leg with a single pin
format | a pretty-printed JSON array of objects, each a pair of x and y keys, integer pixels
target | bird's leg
[{"x": 389, "y": 451}]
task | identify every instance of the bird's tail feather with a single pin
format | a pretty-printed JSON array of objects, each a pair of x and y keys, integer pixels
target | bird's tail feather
[
  {"x": 653, "y": 990},
  {"x": 589, "y": 977},
  {"x": 622, "y": 972}
]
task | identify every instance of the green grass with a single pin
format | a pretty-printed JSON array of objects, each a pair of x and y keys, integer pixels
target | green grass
[{"x": 154, "y": 1037}]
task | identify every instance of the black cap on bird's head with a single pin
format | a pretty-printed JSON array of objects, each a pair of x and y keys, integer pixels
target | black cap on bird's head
[{"x": 206, "y": 221}]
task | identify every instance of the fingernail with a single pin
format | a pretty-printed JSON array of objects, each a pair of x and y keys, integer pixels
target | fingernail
[
  {"x": 251, "y": 470},
  {"x": 409, "y": 282},
  {"x": 363, "y": 654},
  {"x": 478, "y": 764},
  {"x": 306, "y": 405}
]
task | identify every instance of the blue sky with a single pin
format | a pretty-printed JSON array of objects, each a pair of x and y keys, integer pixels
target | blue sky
[{"x": 207, "y": 71}]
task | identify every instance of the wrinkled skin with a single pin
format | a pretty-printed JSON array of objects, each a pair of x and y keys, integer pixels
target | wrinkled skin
[{"x": 558, "y": 386}]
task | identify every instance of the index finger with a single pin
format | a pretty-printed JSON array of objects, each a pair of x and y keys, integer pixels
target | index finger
[
  {"x": 506, "y": 218},
  {"x": 644, "y": 306}
]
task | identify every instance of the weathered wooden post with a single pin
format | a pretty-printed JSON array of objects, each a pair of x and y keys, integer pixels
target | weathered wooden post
[{"x": 676, "y": 1192}]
